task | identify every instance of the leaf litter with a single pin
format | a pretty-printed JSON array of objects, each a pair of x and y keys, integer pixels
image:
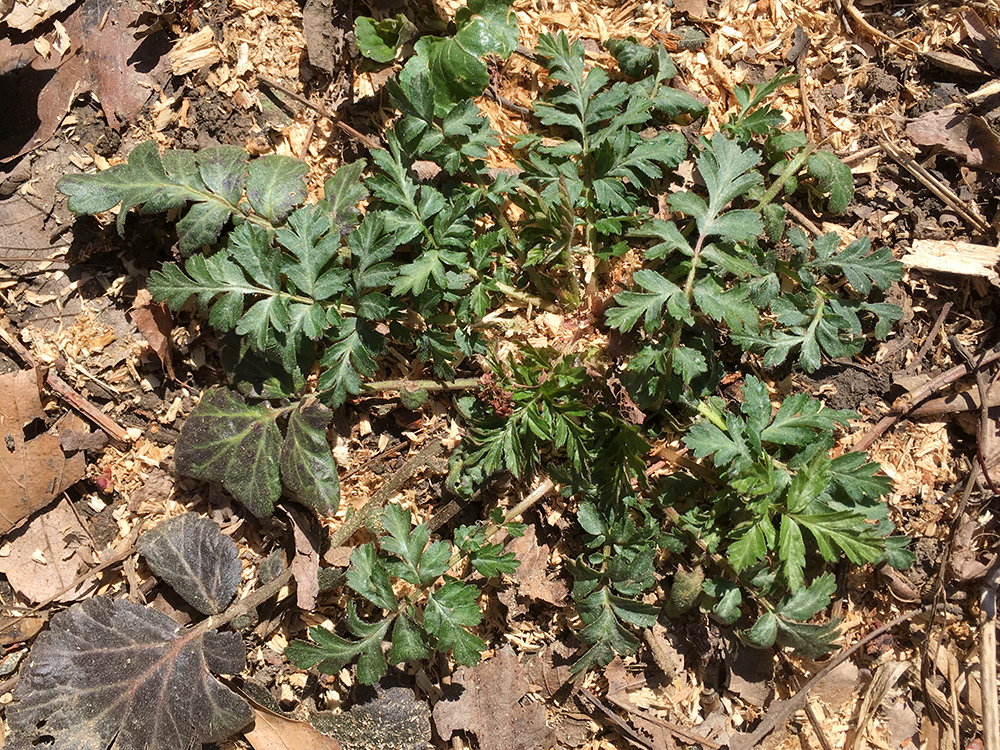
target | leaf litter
[{"x": 710, "y": 79}]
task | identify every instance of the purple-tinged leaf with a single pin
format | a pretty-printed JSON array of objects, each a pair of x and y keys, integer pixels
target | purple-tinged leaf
[
  {"x": 114, "y": 674},
  {"x": 235, "y": 444},
  {"x": 275, "y": 186},
  {"x": 198, "y": 561}
]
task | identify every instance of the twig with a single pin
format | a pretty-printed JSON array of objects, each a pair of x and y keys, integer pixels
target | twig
[
  {"x": 370, "y": 509},
  {"x": 629, "y": 732},
  {"x": 907, "y": 403},
  {"x": 988, "y": 657},
  {"x": 937, "y": 187},
  {"x": 367, "y": 141},
  {"x": 780, "y": 712},
  {"x": 982, "y": 428},
  {"x": 402, "y": 384},
  {"x": 247, "y": 604},
  {"x": 61, "y": 387},
  {"x": 817, "y": 727},
  {"x": 802, "y": 219},
  {"x": 517, "y": 109},
  {"x": 925, "y": 347}
]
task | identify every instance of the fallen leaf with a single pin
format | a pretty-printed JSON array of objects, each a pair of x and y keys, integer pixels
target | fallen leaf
[
  {"x": 751, "y": 672},
  {"x": 984, "y": 38},
  {"x": 110, "y": 672},
  {"x": 619, "y": 685},
  {"x": 305, "y": 564},
  {"x": 966, "y": 136},
  {"x": 154, "y": 322},
  {"x": 532, "y": 579},
  {"x": 394, "y": 720},
  {"x": 550, "y": 669},
  {"x": 36, "y": 470},
  {"x": 103, "y": 57},
  {"x": 20, "y": 629},
  {"x": 488, "y": 705},
  {"x": 273, "y": 731},
  {"x": 694, "y": 8},
  {"x": 65, "y": 549},
  {"x": 198, "y": 561}
]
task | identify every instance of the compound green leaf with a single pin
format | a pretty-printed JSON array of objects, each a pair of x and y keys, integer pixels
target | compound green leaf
[
  {"x": 409, "y": 642},
  {"x": 343, "y": 192},
  {"x": 141, "y": 182},
  {"x": 834, "y": 177},
  {"x": 369, "y": 578},
  {"x": 764, "y": 631},
  {"x": 449, "y": 611},
  {"x": 807, "y": 602},
  {"x": 234, "y": 444}
]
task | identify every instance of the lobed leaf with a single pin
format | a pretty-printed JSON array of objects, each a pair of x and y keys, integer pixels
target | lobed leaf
[
  {"x": 307, "y": 466},
  {"x": 234, "y": 444},
  {"x": 276, "y": 186}
]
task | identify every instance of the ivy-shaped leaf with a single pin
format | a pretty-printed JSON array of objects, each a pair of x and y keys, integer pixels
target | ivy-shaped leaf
[{"x": 229, "y": 442}]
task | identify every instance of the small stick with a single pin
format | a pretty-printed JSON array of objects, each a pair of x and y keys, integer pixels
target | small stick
[
  {"x": 937, "y": 187},
  {"x": 925, "y": 347},
  {"x": 817, "y": 727},
  {"x": 61, "y": 387},
  {"x": 983, "y": 428},
  {"x": 988, "y": 657},
  {"x": 802, "y": 219},
  {"x": 908, "y": 403},
  {"x": 367, "y": 141}
]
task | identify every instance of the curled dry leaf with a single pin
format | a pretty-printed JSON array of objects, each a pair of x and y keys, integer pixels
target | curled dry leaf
[
  {"x": 966, "y": 136},
  {"x": 37, "y": 470},
  {"x": 154, "y": 322}
]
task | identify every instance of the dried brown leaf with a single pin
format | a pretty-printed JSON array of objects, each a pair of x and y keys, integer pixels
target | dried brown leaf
[
  {"x": 966, "y": 136},
  {"x": 489, "y": 707},
  {"x": 47, "y": 555},
  {"x": 533, "y": 581},
  {"x": 305, "y": 564},
  {"x": 154, "y": 322},
  {"x": 984, "y": 38},
  {"x": 273, "y": 731},
  {"x": 103, "y": 57},
  {"x": 36, "y": 471}
]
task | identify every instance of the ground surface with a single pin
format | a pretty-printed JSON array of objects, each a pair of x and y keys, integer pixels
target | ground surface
[{"x": 73, "y": 305}]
